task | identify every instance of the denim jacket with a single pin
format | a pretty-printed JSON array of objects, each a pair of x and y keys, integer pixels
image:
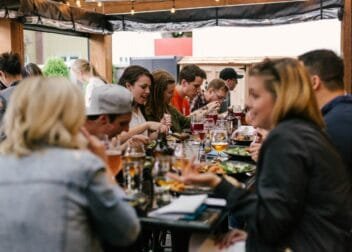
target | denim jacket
[{"x": 59, "y": 199}]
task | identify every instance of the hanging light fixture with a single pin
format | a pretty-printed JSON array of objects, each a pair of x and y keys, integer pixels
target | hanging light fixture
[
  {"x": 78, "y": 3},
  {"x": 68, "y": 3},
  {"x": 100, "y": 4},
  {"x": 132, "y": 7},
  {"x": 173, "y": 9}
]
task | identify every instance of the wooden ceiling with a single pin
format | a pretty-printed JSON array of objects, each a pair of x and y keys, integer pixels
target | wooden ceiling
[{"x": 111, "y": 7}]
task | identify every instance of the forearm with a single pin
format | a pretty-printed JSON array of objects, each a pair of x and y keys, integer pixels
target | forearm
[{"x": 139, "y": 129}]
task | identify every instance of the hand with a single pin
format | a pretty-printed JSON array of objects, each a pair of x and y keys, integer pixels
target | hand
[
  {"x": 166, "y": 120},
  {"x": 156, "y": 126},
  {"x": 254, "y": 149},
  {"x": 213, "y": 106},
  {"x": 191, "y": 176},
  {"x": 231, "y": 238},
  {"x": 95, "y": 145}
]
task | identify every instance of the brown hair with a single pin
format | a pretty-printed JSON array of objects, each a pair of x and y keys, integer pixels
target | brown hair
[
  {"x": 155, "y": 105},
  {"x": 290, "y": 85},
  {"x": 218, "y": 84}
]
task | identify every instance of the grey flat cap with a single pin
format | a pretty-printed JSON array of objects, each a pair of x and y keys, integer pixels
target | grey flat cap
[{"x": 110, "y": 99}]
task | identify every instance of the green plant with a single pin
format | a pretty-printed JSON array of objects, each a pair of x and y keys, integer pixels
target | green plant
[{"x": 55, "y": 67}]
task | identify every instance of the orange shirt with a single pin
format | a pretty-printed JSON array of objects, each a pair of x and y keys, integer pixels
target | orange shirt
[{"x": 181, "y": 104}]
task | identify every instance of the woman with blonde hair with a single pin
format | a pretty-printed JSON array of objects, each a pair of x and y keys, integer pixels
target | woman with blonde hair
[
  {"x": 55, "y": 193},
  {"x": 302, "y": 198},
  {"x": 86, "y": 73}
]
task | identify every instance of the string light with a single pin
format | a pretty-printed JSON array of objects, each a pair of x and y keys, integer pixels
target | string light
[
  {"x": 173, "y": 10},
  {"x": 132, "y": 7}
]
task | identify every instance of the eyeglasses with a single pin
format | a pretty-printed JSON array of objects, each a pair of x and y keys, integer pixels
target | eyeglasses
[{"x": 219, "y": 96}]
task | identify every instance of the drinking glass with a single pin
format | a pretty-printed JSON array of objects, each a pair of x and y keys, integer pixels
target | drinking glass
[
  {"x": 197, "y": 124},
  {"x": 114, "y": 153},
  {"x": 219, "y": 141},
  {"x": 133, "y": 169},
  {"x": 168, "y": 122}
]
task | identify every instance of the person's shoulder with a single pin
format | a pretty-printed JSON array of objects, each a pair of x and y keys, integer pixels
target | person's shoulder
[
  {"x": 82, "y": 158},
  {"x": 96, "y": 81}
]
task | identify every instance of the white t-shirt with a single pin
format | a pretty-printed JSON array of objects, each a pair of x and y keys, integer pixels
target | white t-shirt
[
  {"x": 137, "y": 119},
  {"x": 93, "y": 83}
]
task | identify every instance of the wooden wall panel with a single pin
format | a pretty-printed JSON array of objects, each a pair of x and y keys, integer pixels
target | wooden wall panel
[
  {"x": 11, "y": 37},
  {"x": 100, "y": 55}
]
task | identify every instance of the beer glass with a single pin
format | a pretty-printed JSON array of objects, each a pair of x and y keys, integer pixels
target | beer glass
[{"x": 219, "y": 140}]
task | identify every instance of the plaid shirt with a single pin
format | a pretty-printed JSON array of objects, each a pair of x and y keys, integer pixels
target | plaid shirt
[{"x": 198, "y": 101}]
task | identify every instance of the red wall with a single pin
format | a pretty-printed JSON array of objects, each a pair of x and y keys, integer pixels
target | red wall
[{"x": 173, "y": 47}]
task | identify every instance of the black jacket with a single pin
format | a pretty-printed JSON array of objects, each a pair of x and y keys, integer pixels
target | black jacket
[{"x": 303, "y": 197}]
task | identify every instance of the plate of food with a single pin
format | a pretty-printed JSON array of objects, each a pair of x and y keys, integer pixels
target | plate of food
[
  {"x": 180, "y": 188},
  {"x": 239, "y": 170},
  {"x": 238, "y": 152}
]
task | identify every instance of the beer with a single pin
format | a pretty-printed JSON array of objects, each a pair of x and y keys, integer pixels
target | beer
[
  {"x": 219, "y": 146},
  {"x": 135, "y": 157},
  {"x": 114, "y": 161}
]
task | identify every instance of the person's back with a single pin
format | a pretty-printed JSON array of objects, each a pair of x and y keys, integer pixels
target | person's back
[
  {"x": 50, "y": 201},
  {"x": 56, "y": 195}
]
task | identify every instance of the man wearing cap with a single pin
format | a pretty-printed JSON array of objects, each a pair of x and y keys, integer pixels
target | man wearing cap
[
  {"x": 230, "y": 76},
  {"x": 109, "y": 112}
]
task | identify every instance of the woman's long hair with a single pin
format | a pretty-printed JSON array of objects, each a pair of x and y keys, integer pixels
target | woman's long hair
[
  {"x": 155, "y": 105},
  {"x": 46, "y": 112},
  {"x": 290, "y": 85}
]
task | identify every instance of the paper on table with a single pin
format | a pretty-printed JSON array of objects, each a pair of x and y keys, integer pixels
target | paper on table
[{"x": 185, "y": 204}]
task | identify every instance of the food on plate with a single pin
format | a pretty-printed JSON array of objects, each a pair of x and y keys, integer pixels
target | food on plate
[
  {"x": 177, "y": 186},
  {"x": 238, "y": 150},
  {"x": 213, "y": 168},
  {"x": 237, "y": 167}
]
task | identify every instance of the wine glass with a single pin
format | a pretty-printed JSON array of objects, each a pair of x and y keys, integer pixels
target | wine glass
[{"x": 219, "y": 140}]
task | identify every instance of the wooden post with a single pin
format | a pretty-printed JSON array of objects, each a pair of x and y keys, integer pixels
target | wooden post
[
  {"x": 100, "y": 54},
  {"x": 346, "y": 44},
  {"x": 11, "y": 37}
]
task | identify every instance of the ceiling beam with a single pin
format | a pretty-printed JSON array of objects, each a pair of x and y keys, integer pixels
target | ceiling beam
[{"x": 121, "y": 7}]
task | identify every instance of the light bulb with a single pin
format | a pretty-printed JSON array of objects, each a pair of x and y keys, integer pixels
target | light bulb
[
  {"x": 173, "y": 10},
  {"x": 132, "y": 12},
  {"x": 78, "y": 3},
  {"x": 100, "y": 4}
]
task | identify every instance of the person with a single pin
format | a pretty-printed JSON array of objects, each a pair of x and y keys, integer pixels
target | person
[
  {"x": 110, "y": 111},
  {"x": 10, "y": 73},
  {"x": 138, "y": 80},
  {"x": 85, "y": 72},
  {"x": 212, "y": 97},
  {"x": 10, "y": 76},
  {"x": 190, "y": 81},
  {"x": 230, "y": 76},
  {"x": 31, "y": 70},
  {"x": 327, "y": 70},
  {"x": 158, "y": 103},
  {"x": 302, "y": 197},
  {"x": 65, "y": 199}
]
